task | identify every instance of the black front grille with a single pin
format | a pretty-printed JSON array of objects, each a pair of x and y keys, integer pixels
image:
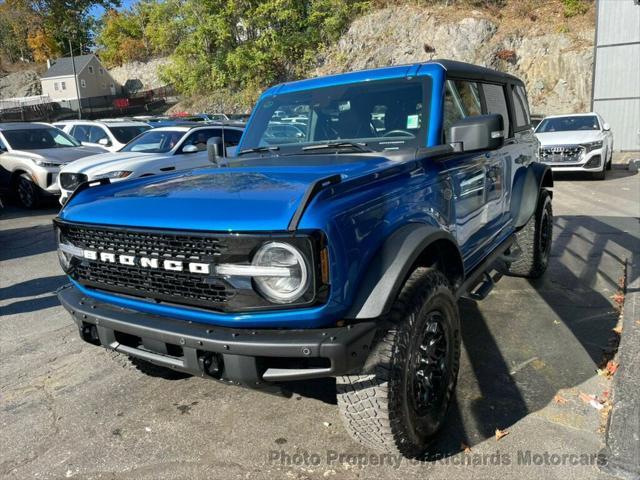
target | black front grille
[
  {"x": 180, "y": 287},
  {"x": 175, "y": 287},
  {"x": 69, "y": 181},
  {"x": 168, "y": 245},
  {"x": 562, "y": 154}
]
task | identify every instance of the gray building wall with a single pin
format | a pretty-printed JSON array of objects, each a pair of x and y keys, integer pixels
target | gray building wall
[
  {"x": 62, "y": 92},
  {"x": 616, "y": 82},
  {"x": 93, "y": 81}
]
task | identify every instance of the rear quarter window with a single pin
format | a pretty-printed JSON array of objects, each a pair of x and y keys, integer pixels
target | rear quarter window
[
  {"x": 496, "y": 102},
  {"x": 520, "y": 107}
]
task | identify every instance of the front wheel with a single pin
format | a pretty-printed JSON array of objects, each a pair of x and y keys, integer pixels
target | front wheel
[
  {"x": 402, "y": 403},
  {"x": 27, "y": 192}
]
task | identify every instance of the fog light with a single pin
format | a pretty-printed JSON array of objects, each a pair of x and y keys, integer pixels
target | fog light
[{"x": 593, "y": 162}]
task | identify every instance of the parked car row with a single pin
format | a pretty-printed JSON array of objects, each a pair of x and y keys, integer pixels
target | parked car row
[{"x": 39, "y": 160}]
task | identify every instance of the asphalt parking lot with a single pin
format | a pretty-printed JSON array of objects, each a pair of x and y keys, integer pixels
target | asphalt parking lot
[{"x": 71, "y": 410}]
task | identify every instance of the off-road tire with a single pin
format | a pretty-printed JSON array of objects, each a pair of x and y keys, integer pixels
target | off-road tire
[
  {"x": 534, "y": 241},
  {"x": 27, "y": 192},
  {"x": 376, "y": 408}
]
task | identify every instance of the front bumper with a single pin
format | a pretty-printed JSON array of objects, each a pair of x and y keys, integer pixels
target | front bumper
[
  {"x": 253, "y": 358},
  {"x": 46, "y": 178},
  {"x": 588, "y": 162}
]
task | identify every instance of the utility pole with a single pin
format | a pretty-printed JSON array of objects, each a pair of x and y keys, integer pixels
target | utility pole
[{"x": 75, "y": 79}]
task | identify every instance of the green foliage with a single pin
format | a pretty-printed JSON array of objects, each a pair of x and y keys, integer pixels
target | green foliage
[
  {"x": 239, "y": 45},
  {"x": 41, "y": 29},
  {"x": 574, "y": 7}
]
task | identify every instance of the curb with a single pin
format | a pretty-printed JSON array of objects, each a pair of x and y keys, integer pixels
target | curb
[{"x": 622, "y": 451}]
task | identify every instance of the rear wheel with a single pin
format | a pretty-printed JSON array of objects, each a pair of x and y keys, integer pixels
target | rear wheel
[
  {"x": 27, "y": 192},
  {"x": 534, "y": 240},
  {"x": 402, "y": 403}
]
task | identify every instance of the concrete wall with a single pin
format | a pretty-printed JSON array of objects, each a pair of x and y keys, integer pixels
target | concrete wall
[{"x": 616, "y": 84}]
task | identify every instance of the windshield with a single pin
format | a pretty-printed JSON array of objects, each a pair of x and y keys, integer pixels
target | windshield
[
  {"x": 126, "y": 134},
  {"x": 39, "y": 139},
  {"x": 154, "y": 141},
  {"x": 567, "y": 124},
  {"x": 383, "y": 115}
]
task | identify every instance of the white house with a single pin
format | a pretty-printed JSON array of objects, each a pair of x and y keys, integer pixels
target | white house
[{"x": 93, "y": 79}]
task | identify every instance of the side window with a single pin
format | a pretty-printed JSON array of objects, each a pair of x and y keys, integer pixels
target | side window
[
  {"x": 462, "y": 99},
  {"x": 452, "y": 110},
  {"x": 199, "y": 138},
  {"x": 80, "y": 133},
  {"x": 469, "y": 94},
  {"x": 520, "y": 107},
  {"x": 232, "y": 137},
  {"x": 96, "y": 134},
  {"x": 496, "y": 102}
]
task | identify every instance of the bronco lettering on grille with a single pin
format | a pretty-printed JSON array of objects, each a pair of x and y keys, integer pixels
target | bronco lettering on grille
[{"x": 148, "y": 262}]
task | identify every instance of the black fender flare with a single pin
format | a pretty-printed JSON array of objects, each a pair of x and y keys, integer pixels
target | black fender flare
[
  {"x": 392, "y": 265},
  {"x": 527, "y": 184}
]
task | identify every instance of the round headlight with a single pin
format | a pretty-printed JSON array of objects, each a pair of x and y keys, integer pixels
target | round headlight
[{"x": 281, "y": 288}]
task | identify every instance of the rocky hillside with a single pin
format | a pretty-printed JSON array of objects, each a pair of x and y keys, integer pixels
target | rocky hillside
[
  {"x": 20, "y": 84},
  {"x": 555, "y": 66},
  {"x": 146, "y": 73}
]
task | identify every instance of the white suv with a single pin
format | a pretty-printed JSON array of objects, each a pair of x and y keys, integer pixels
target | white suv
[
  {"x": 109, "y": 134},
  {"x": 156, "y": 151},
  {"x": 576, "y": 143}
]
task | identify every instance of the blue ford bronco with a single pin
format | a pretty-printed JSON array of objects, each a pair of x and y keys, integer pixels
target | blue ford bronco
[{"x": 336, "y": 242}]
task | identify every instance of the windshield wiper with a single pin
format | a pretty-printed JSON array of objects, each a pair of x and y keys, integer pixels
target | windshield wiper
[
  {"x": 259, "y": 149},
  {"x": 324, "y": 146}
]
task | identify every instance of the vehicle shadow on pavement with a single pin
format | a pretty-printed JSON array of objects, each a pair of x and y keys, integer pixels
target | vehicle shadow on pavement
[
  {"x": 532, "y": 339},
  {"x": 556, "y": 335},
  {"x": 27, "y": 241},
  {"x": 31, "y": 288},
  {"x": 586, "y": 177}
]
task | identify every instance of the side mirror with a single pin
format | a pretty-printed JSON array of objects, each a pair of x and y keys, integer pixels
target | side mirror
[
  {"x": 482, "y": 132},
  {"x": 189, "y": 149},
  {"x": 104, "y": 142},
  {"x": 606, "y": 127},
  {"x": 214, "y": 149}
]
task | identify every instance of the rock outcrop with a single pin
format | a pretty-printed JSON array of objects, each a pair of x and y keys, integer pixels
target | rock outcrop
[
  {"x": 20, "y": 84},
  {"x": 140, "y": 76},
  {"x": 556, "y": 67}
]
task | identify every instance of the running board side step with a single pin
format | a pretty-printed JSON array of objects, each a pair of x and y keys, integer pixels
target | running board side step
[{"x": 483, "y": 278}]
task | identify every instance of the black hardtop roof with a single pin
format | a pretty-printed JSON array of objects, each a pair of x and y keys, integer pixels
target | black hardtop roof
[{"x": 476, "y": 72}]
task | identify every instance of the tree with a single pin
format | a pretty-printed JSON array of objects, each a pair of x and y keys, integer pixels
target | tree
[{"x": 248, "y": 44}]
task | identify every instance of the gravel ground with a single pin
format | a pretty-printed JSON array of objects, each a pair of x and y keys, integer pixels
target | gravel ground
[{"x": 68, "y": 409}]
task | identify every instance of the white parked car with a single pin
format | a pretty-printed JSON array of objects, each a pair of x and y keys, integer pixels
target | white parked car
[
  {"x": 110, "y": 134},
  {"x": 156, "y": 151},
  {"x": 576, "y": 143}
]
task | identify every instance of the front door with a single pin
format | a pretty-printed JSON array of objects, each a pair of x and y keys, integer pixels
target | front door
[{"x": 480, "y": 195}]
